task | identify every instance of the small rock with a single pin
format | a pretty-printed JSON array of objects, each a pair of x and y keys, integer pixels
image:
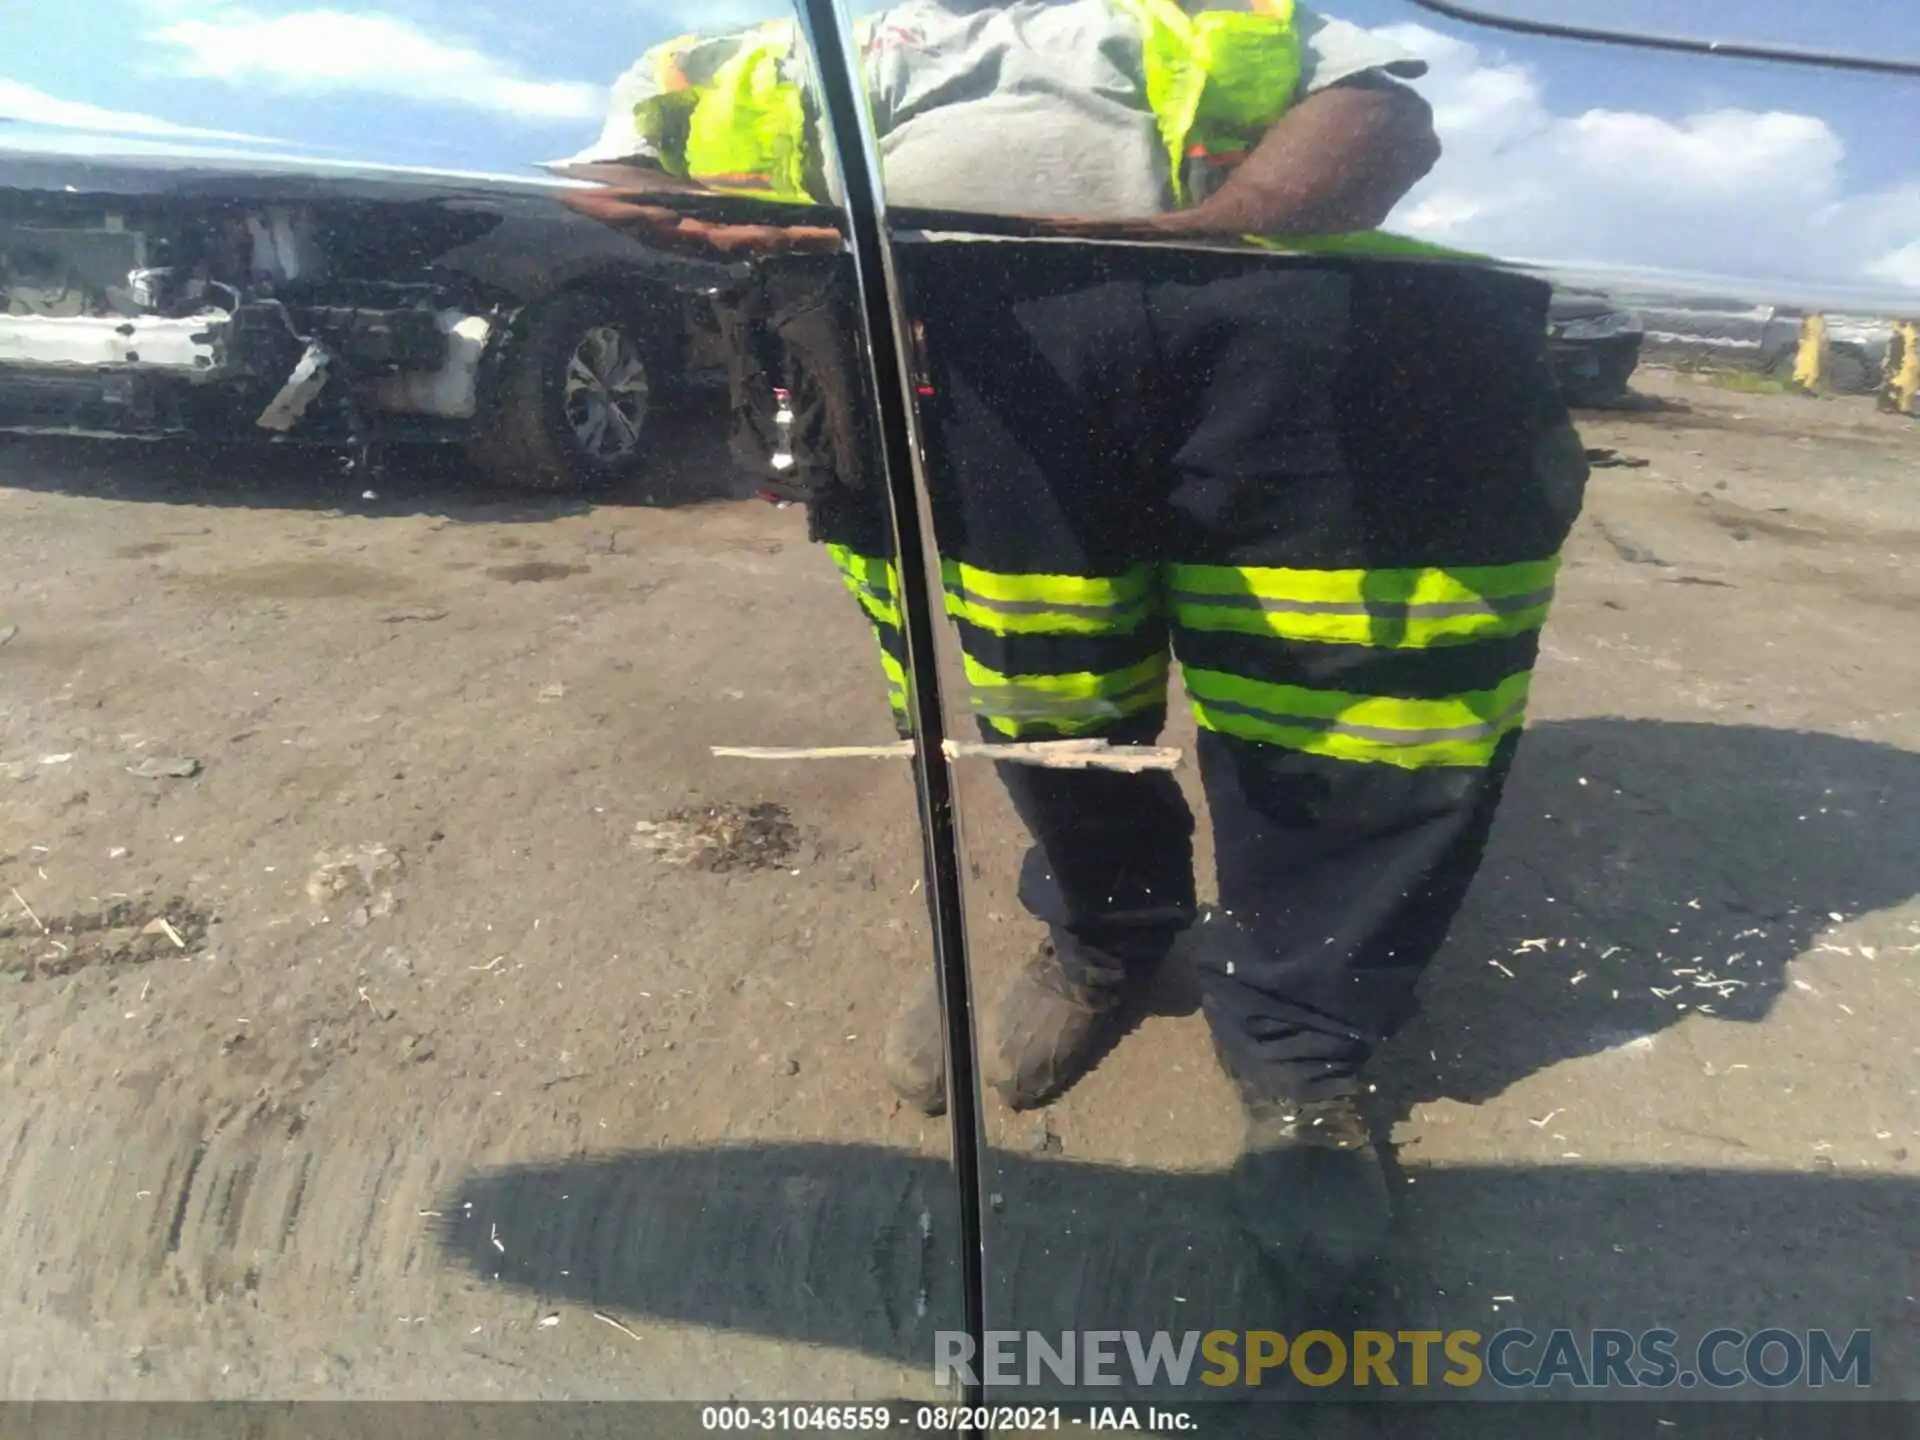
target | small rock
[
  {"x": 7, "y": 632},
  {"x": 162, "y": 926},
  {"x": 555, "y": 691},
  {"x": 367, "y": 873},
  {"x": 183, "y": 767},
  {"x": 789, "y": 1067},
  {"x": 415, "y": 1049}
]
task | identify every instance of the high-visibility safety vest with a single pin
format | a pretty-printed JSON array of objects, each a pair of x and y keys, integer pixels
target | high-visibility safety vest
[{"x": 729, "y": 116}]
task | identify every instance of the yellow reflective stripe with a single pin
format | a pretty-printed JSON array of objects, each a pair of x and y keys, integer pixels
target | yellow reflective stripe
[
  {"x": 1366, "y": 244},
  {"x": 864, "y": 569},
  {"x": 1378, "y": 627},
  {"x": 1039, "y": 617},
  {"x": 1420, "y": 586},
  {"x": 877, "y": 609},
  {"x": 1386, "y": 609},
  {"x": 872, "y": 581},
  {"x": 1037, "y": 604},
  {"x": 1079, "y": 700},
  {"x": 896, "y": 674},
  {"x": 1107, "y": 591},
  {"x": 1461, "y": 729}
]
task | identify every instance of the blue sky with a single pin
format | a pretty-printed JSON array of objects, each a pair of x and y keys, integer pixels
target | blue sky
[{"x": 1551, "y": 148}]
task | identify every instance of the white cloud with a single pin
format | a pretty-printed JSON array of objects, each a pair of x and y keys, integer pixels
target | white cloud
[
  {"x": 321, "y": 51},
  {"x": 25, "y": 105},
  {"x": 1744, "y": 194},
  {"x": 1901, "y": 267}
]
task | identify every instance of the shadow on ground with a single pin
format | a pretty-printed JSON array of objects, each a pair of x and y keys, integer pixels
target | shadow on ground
[
  {"x": 691, "y": 465},
  {"x": 1725, "y": 846},
  {"x": 1641, "y": 871},
  {"x": 840, "y": 1245}
]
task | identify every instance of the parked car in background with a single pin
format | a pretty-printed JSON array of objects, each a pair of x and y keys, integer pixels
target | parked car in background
[
  {"x": 145, "y": 298},
  {"x": 1727, "y": 334},
  {"x": 1595, "y": 347}
]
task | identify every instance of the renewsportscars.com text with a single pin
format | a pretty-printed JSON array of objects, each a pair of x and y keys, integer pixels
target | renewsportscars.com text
[{"x": 1513, "y": 1359}]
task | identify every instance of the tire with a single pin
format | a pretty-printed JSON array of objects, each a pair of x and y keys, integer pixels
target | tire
[
  {"x": 1597, "y": 377},
  {"x": 570, "y": 404},
  {"x": 1849, "y": 372}
]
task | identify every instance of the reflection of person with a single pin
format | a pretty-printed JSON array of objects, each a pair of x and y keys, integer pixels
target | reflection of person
[
  {"x": 1237, "y": 117},
  {"x": 1335, "y": 489}
]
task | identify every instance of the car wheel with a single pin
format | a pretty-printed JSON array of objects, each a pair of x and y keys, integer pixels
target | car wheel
[{"x": 572, "y": 403}]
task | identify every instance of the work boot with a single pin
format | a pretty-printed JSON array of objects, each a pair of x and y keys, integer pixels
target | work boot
[
  {"x": 1054, "y": 1021},
  {"x": 1311, "y": 1193},
  {"x": 916, "y": 1052}
]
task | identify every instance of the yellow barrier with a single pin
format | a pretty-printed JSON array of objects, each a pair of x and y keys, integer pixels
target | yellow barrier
[
  {"x": 1810, "y": 364},
  {"x": 1901, "y": 391}
]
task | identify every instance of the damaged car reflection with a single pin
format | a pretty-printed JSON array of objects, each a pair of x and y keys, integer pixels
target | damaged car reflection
[
  {"x": 1595, "y": 346},
  {"x": 353, "y": 309}
]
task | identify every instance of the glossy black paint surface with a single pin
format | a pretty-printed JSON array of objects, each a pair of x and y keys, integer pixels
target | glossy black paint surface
[{"x": 503, "y": 1038}]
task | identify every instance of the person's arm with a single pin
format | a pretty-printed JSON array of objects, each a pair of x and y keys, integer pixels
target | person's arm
[
  {"x": 632, "y": 211},
  {"x": 1338, "y": 161},
  {"x": 631, "y": 177}
]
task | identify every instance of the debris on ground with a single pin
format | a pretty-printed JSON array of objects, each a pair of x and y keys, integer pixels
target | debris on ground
[
  {"x": 1625, "y": 546},
  {"x": 183, "y": 767},
  {"x": 1602, "y": 458},
  {"x": 367, "y": 874},
  {"x": 401, "y": 617},
  {"x": 133, "y": 930},
  {"x": 722, "y": 837},
  {"x": 160, "y": 925}
]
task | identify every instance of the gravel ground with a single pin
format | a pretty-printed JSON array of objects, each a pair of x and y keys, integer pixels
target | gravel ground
[{"x": 401, "y": 1002}]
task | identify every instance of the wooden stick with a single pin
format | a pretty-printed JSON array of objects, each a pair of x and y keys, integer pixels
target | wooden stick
[
  {"x": 1071, "y": 755},
  {"x": 29, "y": 909},
  {"x": 1048, "y": 754},
  {"x": 818, "y": 752}
]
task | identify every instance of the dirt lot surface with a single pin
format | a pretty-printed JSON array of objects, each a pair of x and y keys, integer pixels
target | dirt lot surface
[{"x": 400, "y": 1001}]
